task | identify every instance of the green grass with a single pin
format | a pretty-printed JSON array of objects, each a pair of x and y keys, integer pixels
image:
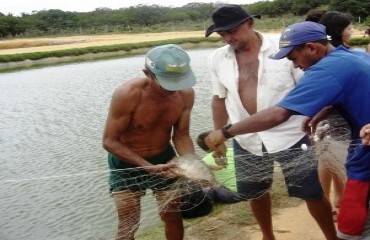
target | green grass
[{"x": 14, "y": 62}]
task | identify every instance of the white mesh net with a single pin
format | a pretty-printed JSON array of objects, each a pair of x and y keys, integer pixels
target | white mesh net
[{"x": 85, "y": 196}]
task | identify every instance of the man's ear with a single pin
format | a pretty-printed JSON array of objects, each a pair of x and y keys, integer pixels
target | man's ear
[
  {"x": 148, "y": 73},
  {"x": 250, "y": 22},
  {"x": 312, "y": 47}
]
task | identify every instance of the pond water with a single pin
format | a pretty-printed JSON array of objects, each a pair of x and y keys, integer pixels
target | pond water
[{"x": 53, "y": 170}]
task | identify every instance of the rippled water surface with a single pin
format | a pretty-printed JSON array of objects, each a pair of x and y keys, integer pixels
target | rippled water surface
[{"x": 53, "y": 170}]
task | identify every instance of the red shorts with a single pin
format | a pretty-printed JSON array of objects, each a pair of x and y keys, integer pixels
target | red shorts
[{"x": 353, "y": 208}]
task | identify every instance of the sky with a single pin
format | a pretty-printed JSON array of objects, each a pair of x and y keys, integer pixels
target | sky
[{"x": 16, "y": 7}]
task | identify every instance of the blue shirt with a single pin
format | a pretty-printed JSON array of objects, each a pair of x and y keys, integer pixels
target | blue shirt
[{"x": 341, "y": 79}]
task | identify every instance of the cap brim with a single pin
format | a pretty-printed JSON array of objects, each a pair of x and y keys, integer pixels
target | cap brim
[
  {"x": 177, "y": 83},
  {"x": 282, "y": 53},
  {"x": 211, "y": 29}
]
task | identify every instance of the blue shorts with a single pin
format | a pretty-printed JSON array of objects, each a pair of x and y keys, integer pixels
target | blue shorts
[
  {"x": 254, "y": 173},
  {"x": 123, "y": 176}
]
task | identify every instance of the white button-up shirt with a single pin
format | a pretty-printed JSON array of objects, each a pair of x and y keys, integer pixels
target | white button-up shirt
[{"x": 275, "y": 79}]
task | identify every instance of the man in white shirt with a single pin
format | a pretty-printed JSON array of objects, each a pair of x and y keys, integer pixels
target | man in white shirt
[{"x": 246, "y": 81}]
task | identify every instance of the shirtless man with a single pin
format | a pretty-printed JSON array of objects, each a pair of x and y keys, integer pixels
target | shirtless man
[
  {"x": 246, "y": 81},
  {"x": 145, "y": 114}
]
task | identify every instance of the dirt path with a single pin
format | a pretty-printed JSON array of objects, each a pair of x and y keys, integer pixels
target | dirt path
[
  {"x": 13, "y": 46},
  {"x": 293, "y": 223}
]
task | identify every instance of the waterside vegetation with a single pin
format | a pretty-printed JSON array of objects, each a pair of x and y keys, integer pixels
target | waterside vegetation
[{"x": 54, "y": 24}]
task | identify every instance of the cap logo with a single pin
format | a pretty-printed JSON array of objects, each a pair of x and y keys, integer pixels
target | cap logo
[
  {"x": 150, "y": 63},
  {"x": 177, "y": 68},
  {"x": 284, "y": 43},
  {"x": 287, "y": 30}
]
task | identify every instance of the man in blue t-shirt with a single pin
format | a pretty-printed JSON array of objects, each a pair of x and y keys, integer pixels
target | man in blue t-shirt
[{"x": 334, "y": 78}]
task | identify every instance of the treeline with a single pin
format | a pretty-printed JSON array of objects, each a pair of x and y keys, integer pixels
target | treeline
[{"x": 155, "y": 18}]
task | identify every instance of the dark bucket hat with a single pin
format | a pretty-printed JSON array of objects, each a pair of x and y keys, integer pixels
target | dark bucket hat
[{"x": 228, "y": 17}]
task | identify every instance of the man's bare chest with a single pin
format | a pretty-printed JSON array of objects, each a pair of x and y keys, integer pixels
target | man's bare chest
[
  {"x": 151, "y": 114},
  {"x": 248, "y": 67}
]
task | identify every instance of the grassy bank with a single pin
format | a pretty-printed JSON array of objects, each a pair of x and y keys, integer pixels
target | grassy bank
[
  {"x": 126, "y": 47},
  {"x": 11, "y": 61},
  {"x": 27, "y": 53}
]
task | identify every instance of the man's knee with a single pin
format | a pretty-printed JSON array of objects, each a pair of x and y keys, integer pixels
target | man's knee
[{"x": 171, "y": 216}]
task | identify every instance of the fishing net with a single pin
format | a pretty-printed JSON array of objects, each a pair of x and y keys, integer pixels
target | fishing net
[
  {"x": 54, "y": 186},
  {"x": 80, "y": 197}
]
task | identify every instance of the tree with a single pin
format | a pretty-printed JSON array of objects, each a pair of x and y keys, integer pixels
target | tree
[
  {"x": 54, "y": 19},
  {"x": 357, "y": 8},
  {"x": 11, "y": 26},
  {"x": 265, "y": 8}
]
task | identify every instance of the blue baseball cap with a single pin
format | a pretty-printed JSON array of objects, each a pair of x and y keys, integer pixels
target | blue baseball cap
[
  {"x": 171, "y": 66},
  {"x": 297, "y": 34}
]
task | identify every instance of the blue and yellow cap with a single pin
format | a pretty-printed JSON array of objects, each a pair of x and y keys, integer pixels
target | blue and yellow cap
[
  {"x": 171, "y": 66},
  {"x": 297, "y": 34}
]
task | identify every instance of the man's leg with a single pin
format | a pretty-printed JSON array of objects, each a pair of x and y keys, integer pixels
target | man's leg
[
  {"x": 254, "y": 179},
  {"x": 261, "y": 208},
  {"x": 128, "y": 209},
  {"x": 301, "y": 176},
  {"x": 338, "y": 187},
  {"x": 338, "y": 151},
  {"x": 321, "y": 211},
  {"x": 169, "y": 204},
  {"x": 325, "y": 175}
]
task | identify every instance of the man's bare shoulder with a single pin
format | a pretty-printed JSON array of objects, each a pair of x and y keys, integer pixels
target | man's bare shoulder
[
  {"x": 139, "y": 82},
  {"x": 128, "y": 95},
  {"x": 188, "y": 97},
  {"x": 131, "y": 86},
  {"x": 187, "y": 93}
]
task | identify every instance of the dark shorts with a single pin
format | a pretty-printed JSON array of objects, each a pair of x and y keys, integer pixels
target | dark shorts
[
  {"x": 124, "y": 176},
  {"x": 254, "y": 173}
]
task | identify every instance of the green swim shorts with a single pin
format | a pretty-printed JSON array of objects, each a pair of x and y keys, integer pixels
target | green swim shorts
[{"x": 124, "y": 176}]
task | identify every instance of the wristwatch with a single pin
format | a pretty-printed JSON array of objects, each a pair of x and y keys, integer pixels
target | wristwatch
[{"x": 225, "y": 133}]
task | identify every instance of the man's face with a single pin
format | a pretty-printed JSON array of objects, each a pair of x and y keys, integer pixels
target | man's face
[
  {"x": 237, "y": 38},
  {"x": 305, "y": 56}
]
